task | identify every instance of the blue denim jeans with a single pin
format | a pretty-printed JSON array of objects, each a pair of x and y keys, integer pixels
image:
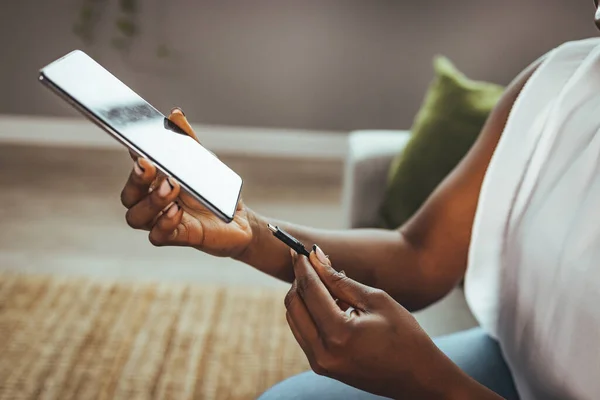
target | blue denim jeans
[{"x": 473, "y": 351}]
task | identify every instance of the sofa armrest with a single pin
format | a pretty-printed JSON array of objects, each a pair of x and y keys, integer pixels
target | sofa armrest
[{"x": 365, "y": 176}]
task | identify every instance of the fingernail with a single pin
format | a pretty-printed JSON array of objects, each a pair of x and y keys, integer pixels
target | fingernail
[
  {"x": 165, "y": 188},
  {"x": 172, "y": 210},
  {"x": 171, "y": 182},
  {"x": 293, "y": 254},
  {"x": 320, "y": 255},
  {"x": 139, "y": 170},
  {"x": 177, "y": 109}
]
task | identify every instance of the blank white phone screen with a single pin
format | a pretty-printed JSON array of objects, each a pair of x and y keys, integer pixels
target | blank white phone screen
[{"x": 138, "y": 122}]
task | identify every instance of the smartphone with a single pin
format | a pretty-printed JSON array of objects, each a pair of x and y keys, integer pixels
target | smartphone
[{"x": 127, "y": 117}]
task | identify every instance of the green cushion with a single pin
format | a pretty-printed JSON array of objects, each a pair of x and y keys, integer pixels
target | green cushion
[{"x": 451, "y": 117}]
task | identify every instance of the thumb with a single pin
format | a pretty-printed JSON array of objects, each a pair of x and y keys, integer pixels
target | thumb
[
  {"x": 178, "y": 118},
  {"x": 339, "y": 285}
]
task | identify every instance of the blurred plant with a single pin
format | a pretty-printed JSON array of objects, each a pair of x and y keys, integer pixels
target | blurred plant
[
  {"x": 126, "y": 25},
  {"x": 91, "y": 14}
]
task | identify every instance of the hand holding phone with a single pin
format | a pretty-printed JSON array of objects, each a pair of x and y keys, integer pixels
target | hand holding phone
[
  {"x": 127, "y": 117},
  {"x": 179, "y": 191},
  {"x": 174, "y": 218}
]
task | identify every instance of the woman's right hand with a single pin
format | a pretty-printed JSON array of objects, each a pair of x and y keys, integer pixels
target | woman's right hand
[{"x": 156, "y": 204}]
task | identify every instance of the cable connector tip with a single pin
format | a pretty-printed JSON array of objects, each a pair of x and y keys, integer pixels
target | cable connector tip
[{"x": 272, "y": 228}]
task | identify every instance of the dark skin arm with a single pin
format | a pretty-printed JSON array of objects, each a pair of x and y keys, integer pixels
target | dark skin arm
[
  {"x": 417, "y": 264},
  {"x": 423, "y": 260}
]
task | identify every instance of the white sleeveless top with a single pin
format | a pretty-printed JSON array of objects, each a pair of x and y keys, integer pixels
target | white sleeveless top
[{"x": 533, "y": 280}]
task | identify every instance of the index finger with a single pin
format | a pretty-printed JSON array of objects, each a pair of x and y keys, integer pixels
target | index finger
[{"x": 319, "y": 302}]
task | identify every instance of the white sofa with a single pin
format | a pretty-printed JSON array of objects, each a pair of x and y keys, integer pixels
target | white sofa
[{"x": 369, "y": 156}]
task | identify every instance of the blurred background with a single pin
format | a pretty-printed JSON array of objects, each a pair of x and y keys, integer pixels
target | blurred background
[
  {"x": 324, "y": 65},
  {"x": 274, "y": 87}
]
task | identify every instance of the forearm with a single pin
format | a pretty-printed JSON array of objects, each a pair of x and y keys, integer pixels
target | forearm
[{"x": 378, "y": 258}]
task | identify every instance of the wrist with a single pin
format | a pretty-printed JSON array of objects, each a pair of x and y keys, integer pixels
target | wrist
[
  {"x": 257, "y": 224},
  {"x": 266, "y": 253}
]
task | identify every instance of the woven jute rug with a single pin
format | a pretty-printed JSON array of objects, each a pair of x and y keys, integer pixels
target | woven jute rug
[{"x": 69, "y": 338}]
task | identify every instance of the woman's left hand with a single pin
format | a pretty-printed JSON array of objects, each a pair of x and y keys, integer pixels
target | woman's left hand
[{"x": 380, "y": 348}]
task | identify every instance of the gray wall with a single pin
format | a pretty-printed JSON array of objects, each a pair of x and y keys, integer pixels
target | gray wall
[{"x": 319, "y": 64}]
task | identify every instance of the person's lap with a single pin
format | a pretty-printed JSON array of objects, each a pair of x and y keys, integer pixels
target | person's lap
[{"x": 473, "y": 351}]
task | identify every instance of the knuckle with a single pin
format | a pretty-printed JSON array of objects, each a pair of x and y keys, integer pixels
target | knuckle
[
  {"x": 339, "y": 340},
  {"x": 317, "y": 369},
  {"x": 339, "y": 280},
  {"x": 173, "y": 235},
  {"x": 303, "y": 284},
  {"x": 131, "y": 220},
  {"x": 184, "y": 233},
  {"x": 155, "y": 239},
  {"x": 164, "y": 229},
  {"x": 323, "y": 363},
  {"x": 378, "y": 296},
  {"x": 161, "y": 224},
  {"x": 338, "y": 276},
  {"x": 157, "y": 202},
  {"x": 124, "y": 201}
]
